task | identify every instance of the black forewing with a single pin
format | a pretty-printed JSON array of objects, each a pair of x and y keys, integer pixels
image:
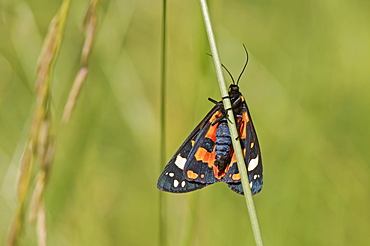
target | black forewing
[
  {"x": 203, "y": 170},
  {"x": 252, "y": 157},
  {"x": 173, "y": 179}
]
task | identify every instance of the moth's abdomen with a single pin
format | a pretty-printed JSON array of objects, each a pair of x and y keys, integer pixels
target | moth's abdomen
[{"x": 223, "y": 148}]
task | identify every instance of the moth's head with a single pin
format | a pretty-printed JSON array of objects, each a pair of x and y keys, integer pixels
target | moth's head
[{"x": 234, "y": 91}]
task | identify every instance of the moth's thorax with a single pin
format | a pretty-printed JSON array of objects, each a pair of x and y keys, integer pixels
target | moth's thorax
[
  {"x": 236, "y": 98},
  {"x": 234, "y": 92}
]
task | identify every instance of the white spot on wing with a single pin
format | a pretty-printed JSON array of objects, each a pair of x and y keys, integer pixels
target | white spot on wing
[
  {"x": 251, "y": 184},
  {"x": 171, "y": 174},
  {"x": 180, "y": 162},
  {"x": 253, "y": 164},
  {"x": 183, "y": 183},
  {"x": 175, "y": 183}
]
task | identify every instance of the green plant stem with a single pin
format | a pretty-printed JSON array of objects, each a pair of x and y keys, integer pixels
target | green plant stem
[
  {"x": 232, "y": 127},
  {"x": 162, "y": 204}
]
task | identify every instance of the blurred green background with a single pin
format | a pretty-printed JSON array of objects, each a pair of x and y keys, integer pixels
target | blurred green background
[{"x": 307, "y": 85}]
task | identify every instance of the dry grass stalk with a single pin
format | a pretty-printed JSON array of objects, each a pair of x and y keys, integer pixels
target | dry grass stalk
[
  {"x": 90, "y": 25},
  {"x": 40, "y": 142},
  {"x": 41, "y": 226}
]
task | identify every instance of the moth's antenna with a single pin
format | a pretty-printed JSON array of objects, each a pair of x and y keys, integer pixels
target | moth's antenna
[
  {"x": 226, "y": 70},
  {"x": 245, "y": 65}
]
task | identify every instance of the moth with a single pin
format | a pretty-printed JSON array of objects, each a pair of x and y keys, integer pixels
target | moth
[{"x": 207, "y": 155}]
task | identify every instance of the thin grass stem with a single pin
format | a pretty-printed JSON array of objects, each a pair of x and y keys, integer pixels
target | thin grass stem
[
  {"x": 232, "y": 126},
  {"x": 162, "y": 204}
]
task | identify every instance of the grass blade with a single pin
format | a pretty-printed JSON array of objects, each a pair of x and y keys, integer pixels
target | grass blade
[
  {"x": 162, "y": 204},
  {"x": 232, "y": 126}
]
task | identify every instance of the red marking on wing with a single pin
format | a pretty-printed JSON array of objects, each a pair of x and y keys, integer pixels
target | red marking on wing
[
  {"x": 211, "y": 133},
  {"x": 243, "y": 125},
  {"x": 215, "y": 116},
  {"x": 236, "y": 176},
  {"x": 191, "y": 174},
  {"x": 233, "y": 158},
  {"x": 220, "y": 174},
  {"x": 206, "y": 157},
  {"x": 202, "y": 154}
]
